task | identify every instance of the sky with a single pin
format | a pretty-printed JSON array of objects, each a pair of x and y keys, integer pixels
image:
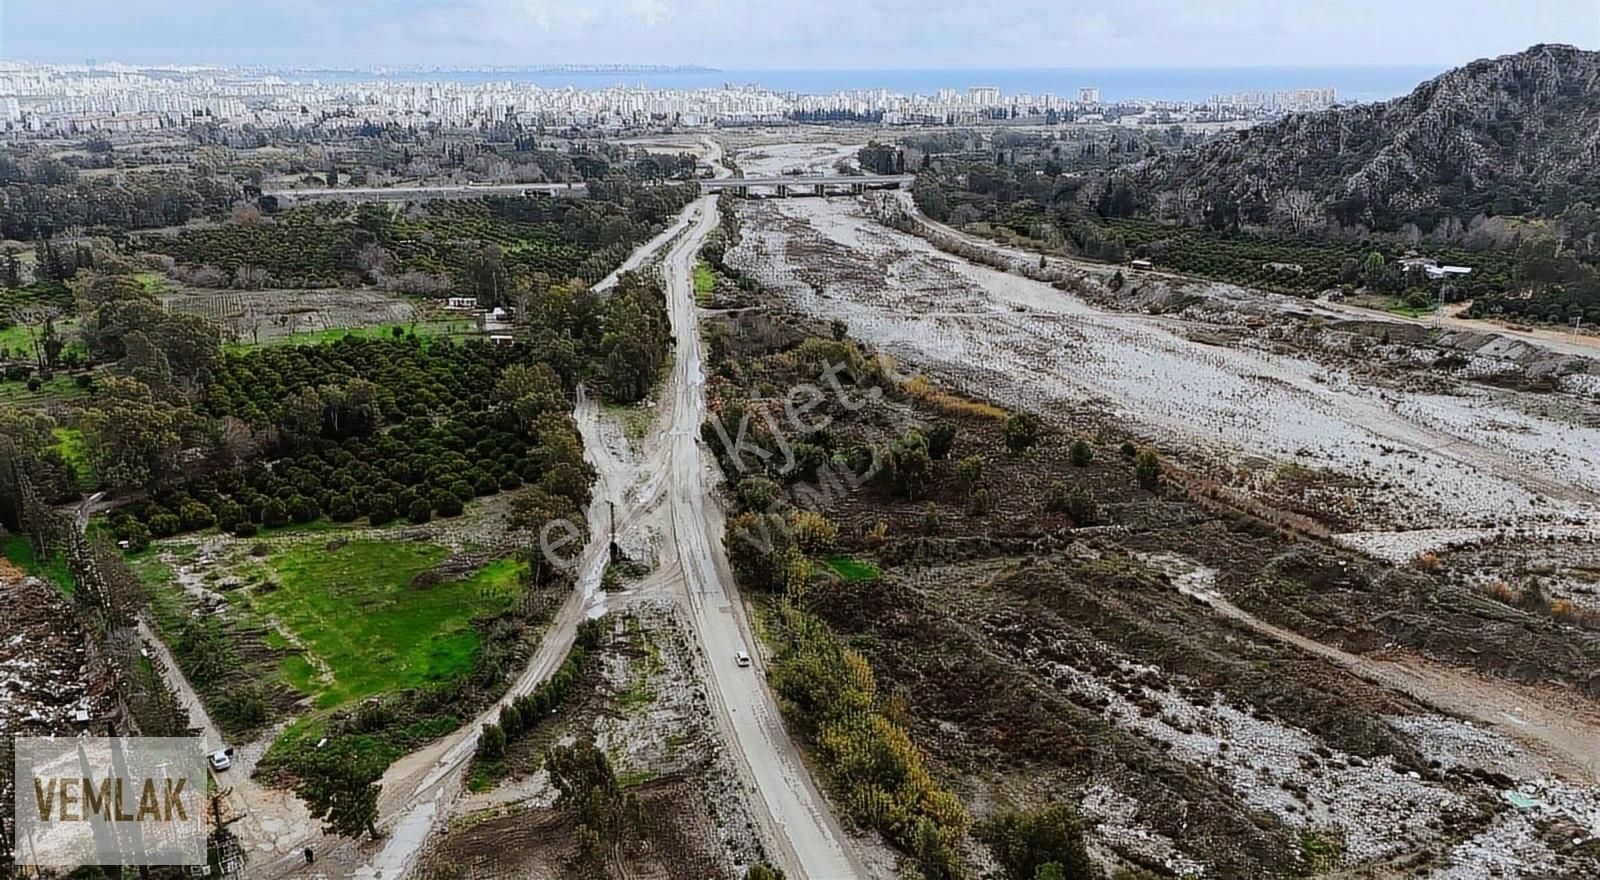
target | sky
[{"x": 791, "y": 34}]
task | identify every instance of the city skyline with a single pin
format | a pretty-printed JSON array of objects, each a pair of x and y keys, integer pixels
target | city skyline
[{"x": 813, "y": 35}]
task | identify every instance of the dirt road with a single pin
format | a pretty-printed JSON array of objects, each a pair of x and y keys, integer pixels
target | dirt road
[
  {"x": 808, "y": 838},
  {"x": 1561, "y": 728}
]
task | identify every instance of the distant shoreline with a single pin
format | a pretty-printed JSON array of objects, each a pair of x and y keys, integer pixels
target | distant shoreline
[{"x": 1193, "y": 84}]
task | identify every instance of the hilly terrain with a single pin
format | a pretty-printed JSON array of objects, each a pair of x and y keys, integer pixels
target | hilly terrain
[{"x": 1517, "y": 134}]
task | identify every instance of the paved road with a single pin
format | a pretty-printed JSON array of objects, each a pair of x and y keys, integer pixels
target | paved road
[{"x": 809, "y": 841}]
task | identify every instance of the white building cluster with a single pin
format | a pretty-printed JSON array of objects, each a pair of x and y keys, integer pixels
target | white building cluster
[{"x": 71, "y": 99}]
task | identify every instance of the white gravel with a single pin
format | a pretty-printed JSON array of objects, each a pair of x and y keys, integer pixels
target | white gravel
[{"x": 1423, "y": 460}]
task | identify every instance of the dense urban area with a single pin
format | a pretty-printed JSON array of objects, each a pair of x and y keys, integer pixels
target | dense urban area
[{"x": 508, "y": 481}]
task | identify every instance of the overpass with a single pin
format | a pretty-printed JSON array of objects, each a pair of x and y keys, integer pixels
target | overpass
[
  {"x": 422, "y": 192},
  {"x": 783, "y": 186},
  {"x": 815, "y": 184}
]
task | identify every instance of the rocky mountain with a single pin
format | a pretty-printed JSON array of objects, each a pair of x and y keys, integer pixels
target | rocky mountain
[{"x": 1511, "y": 135}]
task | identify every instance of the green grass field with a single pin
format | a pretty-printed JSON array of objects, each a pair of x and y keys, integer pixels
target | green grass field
[
  {"x": 19, "y": 552},
  {"x": 69, "y": 442},
  {"x": 18, "y": 340},
  {"x": 705, "y": 281},
  {"x": 852, "y": 570},
  {"x": 154, "y": 283},
  {"x": 355, "y": 609},
  {"x": 58, "y": 390}
]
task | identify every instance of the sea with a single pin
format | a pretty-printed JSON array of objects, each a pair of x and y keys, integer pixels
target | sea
[{"x": 1352, "y": 84}]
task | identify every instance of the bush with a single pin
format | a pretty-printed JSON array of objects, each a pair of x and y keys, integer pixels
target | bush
[
  {"x": 814, "y": 532},
  {"x": 1147, "y": 469},
  {"x": 447, "y": 504},
  {"x": 941, "y": 440},
  {"x": 245, "y": 529},
  {"x": 303, "y": 509},
  {"x": 274, "y": 514},
  {"x": 1128, "y": 449},
  {"x": 420, "y": 512},
  {"x": 134, "y": 533},
  {"x": 1080, "y": 453},
  {"x": 165, "y": 525},
  {"x": 491, "y": 742},
  {"x": 381, "y": 510},
  {"x": 196, "y": 516},
  {"x": 343, "y": 509},
  {"x": 930, "y": 521},
  {"x": 1081, "y": 507},
  {"x": 981, "y": 503},
  {"x": 35, "y": 383},
  {"x": 1021, "y": 431},
  {"x": 970, "y": 470},
  {"x": 1022, "y": 843}
]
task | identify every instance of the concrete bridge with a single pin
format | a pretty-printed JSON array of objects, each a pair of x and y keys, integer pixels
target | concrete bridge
[
  {"x": 784, "y": 186},
  {"x": 815, "y": 185}
]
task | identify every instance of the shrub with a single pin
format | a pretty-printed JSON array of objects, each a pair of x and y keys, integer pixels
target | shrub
[
  {"x": 1081, "y": 507},
  {"x": 1021, "y": 431},
  {"x": 1080, "y": 453},
  {"x": 245, "y": 529},
  {"x": 970, "y": 470},
  {"x": 1022, "y": 843},
  {"x": 274, "y": 513},
  {"x": 165, "y": 525},
  {"x": 196, "y": 516},
  {"x": 491, "y": 742},
  {"x": 941, "y": 440},
  {"x": 134, "y": 533},
  {"x": 930, "y": 521},
  {"x": 1147, "y": 469},
  {"x": 419, "y": 512},
  {"x": 343, "y": 509},
  {"x": 1128, "y": 450},
  {"x": 814, "y": 532},
  {"x": 447, "y": 504},
  {"x": 981, "y": 503},
  {"x": 303, "y": 509},
  {"x": 35, "y": 383},
  {"x": 381, "y": 510}
]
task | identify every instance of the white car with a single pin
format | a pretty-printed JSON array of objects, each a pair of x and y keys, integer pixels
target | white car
[
  {"x": 741, "y": 658},
  {"x": 221, "y": 759}
]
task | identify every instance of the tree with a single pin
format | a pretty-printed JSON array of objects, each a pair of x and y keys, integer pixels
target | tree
[
  {"x": 491, "y": 742},
  {"x": 339, "y": 785},
  {"x": 132, "y": 440},
  {"x": 763, "y": 871},
  {"x": 1023, "y": 842},
  {"x": 587, "y": 788}
]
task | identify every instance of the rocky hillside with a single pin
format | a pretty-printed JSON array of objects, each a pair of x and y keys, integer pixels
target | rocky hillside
[{"x": 1509, "y": 135}]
